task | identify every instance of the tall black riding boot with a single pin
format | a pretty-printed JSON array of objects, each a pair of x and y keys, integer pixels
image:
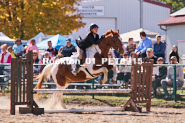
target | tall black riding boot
[{"x": 77, "y": 67}]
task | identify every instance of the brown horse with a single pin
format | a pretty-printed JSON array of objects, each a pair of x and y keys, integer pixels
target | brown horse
[{"x": 62, "y": 75}]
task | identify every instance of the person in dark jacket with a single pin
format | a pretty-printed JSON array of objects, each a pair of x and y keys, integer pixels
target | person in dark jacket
[
  {"x": 68, "y": 49},
  {"x": 150, "y": 55},
  {"x": 157, "y": 78},
  {"x": 174, "y": 52},
  {"x": 91, "y": 38},
  {"x": 159, "y": 48},
  {"x": 52, "y": 51}
]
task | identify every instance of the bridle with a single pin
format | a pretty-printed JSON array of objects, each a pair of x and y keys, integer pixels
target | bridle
[{"x": 113, "y": 40}]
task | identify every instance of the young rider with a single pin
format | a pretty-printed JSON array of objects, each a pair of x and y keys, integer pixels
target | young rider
[{"x": 91, "y": 38}]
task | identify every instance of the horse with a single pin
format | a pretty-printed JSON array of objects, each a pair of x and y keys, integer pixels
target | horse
[{"x": 62, "y": 75}]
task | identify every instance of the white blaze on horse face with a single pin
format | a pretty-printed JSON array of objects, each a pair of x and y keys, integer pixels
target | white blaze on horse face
[{"x": 120, "y": 38}]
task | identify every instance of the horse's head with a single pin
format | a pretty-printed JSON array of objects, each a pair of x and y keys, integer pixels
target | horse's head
[{"x": 116, "y": 41}]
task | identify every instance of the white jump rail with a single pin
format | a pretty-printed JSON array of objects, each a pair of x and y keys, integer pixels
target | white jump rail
[
  {"x": 84, "y": 110},
  {"x": 81, "y": 84},
  {"x": 82, "y": 91}
]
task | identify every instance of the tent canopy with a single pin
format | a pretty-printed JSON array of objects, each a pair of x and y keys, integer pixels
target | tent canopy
[
  {"x": 36, "y": 38},
  {"x": 57, "y": 41},
  {"x": 2, "y": 34},
  {"x": 135, "y": 34}
]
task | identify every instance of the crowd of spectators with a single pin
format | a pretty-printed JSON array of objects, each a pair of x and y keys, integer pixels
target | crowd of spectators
[{"x": 145, "y": 49}]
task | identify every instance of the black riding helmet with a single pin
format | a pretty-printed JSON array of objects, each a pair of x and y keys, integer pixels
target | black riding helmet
[{"x": 92, "y": 26}]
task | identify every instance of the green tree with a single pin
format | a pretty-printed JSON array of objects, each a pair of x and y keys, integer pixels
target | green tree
[
  {"x": 25, "y": 18},
  {"x": 176, "y": 4}
]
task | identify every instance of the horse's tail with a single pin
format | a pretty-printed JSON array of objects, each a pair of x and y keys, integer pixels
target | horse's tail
[{"x": 46, "y": 73}]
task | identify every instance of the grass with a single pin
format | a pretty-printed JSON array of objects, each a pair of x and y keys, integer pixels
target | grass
[{"x": 117, "y": 101}]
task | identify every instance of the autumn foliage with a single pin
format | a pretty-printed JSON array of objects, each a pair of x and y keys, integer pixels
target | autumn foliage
[{"x": 26, "y": 18}]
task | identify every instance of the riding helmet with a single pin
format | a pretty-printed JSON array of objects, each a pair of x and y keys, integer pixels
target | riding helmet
[{"x": 93, "y": 25}]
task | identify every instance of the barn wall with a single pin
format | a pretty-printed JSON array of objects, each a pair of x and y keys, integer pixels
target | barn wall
[{"x": 174, "y": 33}]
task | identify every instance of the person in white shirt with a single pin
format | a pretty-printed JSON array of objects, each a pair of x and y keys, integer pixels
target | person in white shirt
[{"x": 124, "y": 72}]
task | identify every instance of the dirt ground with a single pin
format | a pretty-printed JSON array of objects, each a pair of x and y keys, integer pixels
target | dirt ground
[{"x": 157, "y": 115}]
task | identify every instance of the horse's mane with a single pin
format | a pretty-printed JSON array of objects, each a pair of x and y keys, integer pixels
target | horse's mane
[{"x": 110, "y": 31}]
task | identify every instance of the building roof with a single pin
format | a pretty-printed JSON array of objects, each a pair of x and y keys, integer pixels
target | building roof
[
  {"x": 159, "y": 3},
  {"x": 175, "y": 18},
  {"x": 180, "y": 12}
]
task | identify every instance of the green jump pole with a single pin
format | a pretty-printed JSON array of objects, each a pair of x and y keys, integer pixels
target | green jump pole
[
  {"x": 92, "y": 88},
  {"x": 174, "y": 84}
]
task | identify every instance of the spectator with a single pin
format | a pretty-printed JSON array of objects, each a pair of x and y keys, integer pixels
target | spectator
[
  {"x": 159, "y": 48},
  {"x": 36, "y": 68},
  {"x": 10, "y": 50},
  {"x": 5, "y": 57},
  {"x": 18, "y": 48},
  {"x": 46, "y": 55},
  {"x": 157, "y": 78},
  {"x": 117, "y": 54},
  {"x": 131, "y": 46},
  {"x": 68, "y": 49},
  {"x": 174, "y": 52},
  {"x": 33, "y": 46},
  {"x": 144, "y": 44},
  {"x": 150, "y": 55},
  {"x": 170, "y": 77},
  {"x": 53, "y": 51},
  {"x": 125, "y": 72}
]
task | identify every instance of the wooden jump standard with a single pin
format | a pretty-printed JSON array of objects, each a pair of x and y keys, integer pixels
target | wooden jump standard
[{"x": 22, "y": 88}]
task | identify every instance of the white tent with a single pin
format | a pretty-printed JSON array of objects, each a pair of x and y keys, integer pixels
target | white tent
[
  {"x": 6, "y": 38},
  {"x": 135, "y": 34},
  {"x": 2, "y": 34},
  {"x": 3, "y": 37},
  {"x": 37, "y": 38}
]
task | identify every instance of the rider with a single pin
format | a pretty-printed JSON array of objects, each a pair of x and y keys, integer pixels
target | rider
[{"x": 91, "y": 38}]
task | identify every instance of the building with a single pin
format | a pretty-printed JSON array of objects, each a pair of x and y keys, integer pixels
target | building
[
  {"x": 175, "y": 32},
  {"x": 122, "y": 14}
]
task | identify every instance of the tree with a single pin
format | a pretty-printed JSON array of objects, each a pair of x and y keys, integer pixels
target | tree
[
  {"x": 176, "y": 4},
  {"x": 26, "y": 18}
]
